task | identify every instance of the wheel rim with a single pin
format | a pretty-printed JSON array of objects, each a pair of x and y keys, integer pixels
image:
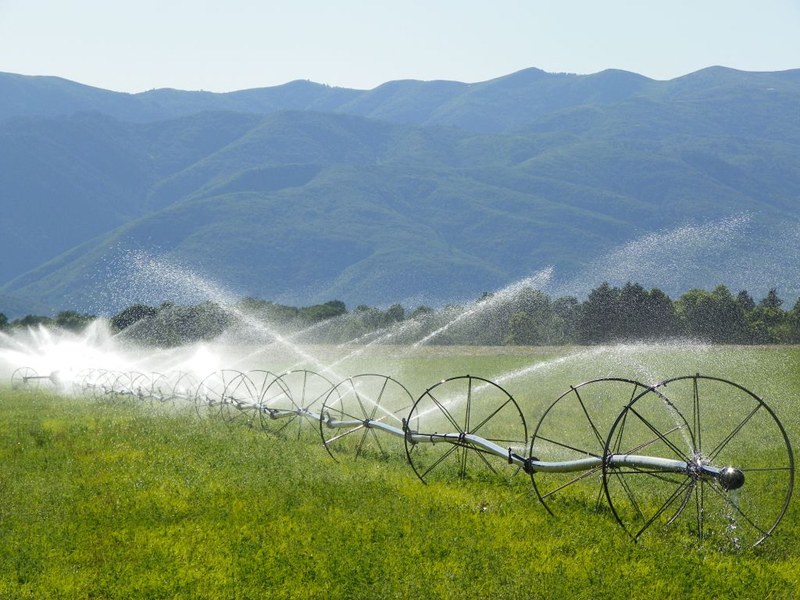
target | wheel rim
[
  {"x": 160, "y": 388},
  {"x": 366, "y": 397},
  {"x": 464, "y": 405},
  {"x": 240, "y": 400},
  {"x": 704, "y": 421},
  {"x": 25, "y": 377},
  {"x": 211, "y": 393},
  {"x": 575, "y": 426},
  {"x": 294, "y": 395},
  {"x": 184, "y": 388}
]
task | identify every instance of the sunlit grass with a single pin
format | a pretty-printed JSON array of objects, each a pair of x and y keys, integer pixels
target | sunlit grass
[{"x": 124, "y": 500}]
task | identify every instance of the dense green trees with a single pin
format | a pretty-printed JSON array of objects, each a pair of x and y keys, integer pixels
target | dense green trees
[
  {"x": 527, "y": 316},
  {"x": 713, "y": 316},
  {"x": 536, "y": 320},
  {"x": 31, "y": 321},
  {"x": 73, "y": 321},
  {"x": 793, "y": 324},
  {"x": 68, "y": 320},
  {"x": 131, "y": 315},
  {"x": 613, "y": 314},
  {"x": 171, "y": 324}
]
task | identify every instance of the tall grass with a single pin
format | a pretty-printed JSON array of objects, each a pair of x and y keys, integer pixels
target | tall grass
[{"x": 122, "y": 500}]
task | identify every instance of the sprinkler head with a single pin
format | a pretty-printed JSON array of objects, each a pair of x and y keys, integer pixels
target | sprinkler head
[{"x": 731, "y": 479}]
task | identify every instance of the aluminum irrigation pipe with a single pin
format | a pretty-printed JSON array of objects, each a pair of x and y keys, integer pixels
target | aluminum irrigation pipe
[
  {"x": 710, "y": 453},
  {"x": 730, "y": 477}
]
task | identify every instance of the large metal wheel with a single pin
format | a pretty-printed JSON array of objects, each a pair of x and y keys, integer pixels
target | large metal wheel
[
  {"x": 292, "y": 399},
  {"x": 740, "y": 466},
  {"x": 25, "y": 377},
  {"x": 451, "y": 411},
  {"x": 574, "y": 427},
  {"x": 354, "y": 403}
]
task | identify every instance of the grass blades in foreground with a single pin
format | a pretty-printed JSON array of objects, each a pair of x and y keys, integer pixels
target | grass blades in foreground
[{"x": 101, "y": 500}]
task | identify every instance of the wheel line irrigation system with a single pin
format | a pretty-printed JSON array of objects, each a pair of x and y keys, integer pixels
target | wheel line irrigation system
[{"x": 694, "y": 451}]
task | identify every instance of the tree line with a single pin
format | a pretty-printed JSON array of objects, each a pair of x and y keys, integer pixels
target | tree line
[{"x": 609, "y": 314}]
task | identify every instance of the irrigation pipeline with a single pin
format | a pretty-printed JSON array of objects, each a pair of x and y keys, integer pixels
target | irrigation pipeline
[
  {"x": 729, "y": 478},
  {"x": 700, "y": 453}
]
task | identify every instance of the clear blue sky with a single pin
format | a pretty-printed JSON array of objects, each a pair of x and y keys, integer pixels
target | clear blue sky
[{"x": 136, "y": 45}]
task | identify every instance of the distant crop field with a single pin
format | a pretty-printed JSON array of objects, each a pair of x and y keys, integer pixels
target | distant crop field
[{"x": 115, "y": 497}]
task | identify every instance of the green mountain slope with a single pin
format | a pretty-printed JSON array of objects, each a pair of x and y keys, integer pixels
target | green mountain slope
[
  {"x": 444, "y": 190},
  {"x": 67, "y": 180}
]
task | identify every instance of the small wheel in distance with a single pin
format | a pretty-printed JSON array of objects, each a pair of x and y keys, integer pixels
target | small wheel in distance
[
  {"x": 184, "y": 387},
  {"x": 210, "y": 395},
  {"x": 25, "y": 377},
  {"x": 132, "y": 384},
  {"x": 104, "y": 386},
  {"x": 90, "y": 383},
  {"x": 160, "y": 388},
  {"x": 260, "y": 381},
  {"x": 241, "y": 400}
]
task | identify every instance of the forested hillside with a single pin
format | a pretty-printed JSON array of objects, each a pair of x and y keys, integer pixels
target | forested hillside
[{"x": 414, "y": 192}]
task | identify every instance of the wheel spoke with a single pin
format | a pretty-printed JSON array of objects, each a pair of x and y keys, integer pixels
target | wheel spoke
[
  {"x": 660, "y": 437},
  {"x": 675, "y": 495},
  {"x": 731, "y": 504},
  {"x": 446, "y": 413},
  {"x": 488, "y": 418},
  {"x": 482, "y": 455},
  {"x": 568, "y": 447},
  {"x": 366, "y": 398},
  {"x": 699, "y": 494},
  {"x": 345, "y": 433},
  {"x": 696, "y": 416},
  {"x": 624, "y": 484},
  {"x": 574, "y": 427},
  {"x": 583, "y": 475},
  {"x": 714, "y": 453},
  {"x": 437, "y": 462},
  {"x": 597, "y": 435}
]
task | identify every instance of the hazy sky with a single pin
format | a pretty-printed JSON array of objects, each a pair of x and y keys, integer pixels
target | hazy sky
[{"x": 135, "y": 45}]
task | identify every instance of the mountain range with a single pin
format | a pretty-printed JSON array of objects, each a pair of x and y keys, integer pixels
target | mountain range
[{"x": 412, "y": 192}]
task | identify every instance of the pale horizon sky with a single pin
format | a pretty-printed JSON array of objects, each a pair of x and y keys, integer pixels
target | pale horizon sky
[{"x": 241, "y": 44}]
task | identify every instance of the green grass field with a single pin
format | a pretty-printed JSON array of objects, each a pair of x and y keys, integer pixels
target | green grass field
[{"x": 122, "y": 499}]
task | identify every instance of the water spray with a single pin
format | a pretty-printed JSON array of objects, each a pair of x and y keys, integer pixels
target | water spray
[
  {"x": 688, "y": 450},
  {"x": 695, "y": 452}
]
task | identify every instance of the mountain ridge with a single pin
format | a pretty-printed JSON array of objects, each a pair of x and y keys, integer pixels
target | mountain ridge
[
  {"x": 29, "y": 95},
  {"x": 413, "y": 190}
]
